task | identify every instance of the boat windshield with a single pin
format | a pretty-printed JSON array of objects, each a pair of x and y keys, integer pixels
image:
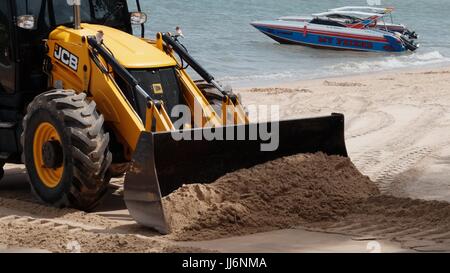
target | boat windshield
[
  {"x": 320, "y": 21},
  {"x": 342, "y": 16},
  {"x": 345, "y": 18}
]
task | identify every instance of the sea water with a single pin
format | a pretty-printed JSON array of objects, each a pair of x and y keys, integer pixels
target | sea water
[{"x": 219, "y": 35}]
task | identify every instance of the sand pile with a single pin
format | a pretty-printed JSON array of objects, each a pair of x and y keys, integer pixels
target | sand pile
[{"x": 279, "y": 194}]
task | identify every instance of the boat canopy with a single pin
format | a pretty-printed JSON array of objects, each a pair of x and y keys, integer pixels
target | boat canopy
[
  {"x": 359, "y": 14},
  {"x": 365, "y": 9},
  {"x": 362, "y": 16}
]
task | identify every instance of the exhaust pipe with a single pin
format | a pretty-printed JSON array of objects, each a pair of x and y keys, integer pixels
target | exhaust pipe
[{"x": 76, "y": 13}]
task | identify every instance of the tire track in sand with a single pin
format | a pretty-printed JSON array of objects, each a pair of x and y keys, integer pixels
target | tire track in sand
[
  {"x": 398, "y": 165},
  {"x": 416, "y": 224},
  {"x": 47, "y": 223},
  {"x": 392, "y": 157},
  {"x": 378, "y": 120}
]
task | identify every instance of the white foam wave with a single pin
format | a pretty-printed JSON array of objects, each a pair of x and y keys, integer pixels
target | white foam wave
[{"x": 391, "y": 62}]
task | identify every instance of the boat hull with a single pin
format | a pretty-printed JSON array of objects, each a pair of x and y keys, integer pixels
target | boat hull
[{"x": 330, "y": 37}]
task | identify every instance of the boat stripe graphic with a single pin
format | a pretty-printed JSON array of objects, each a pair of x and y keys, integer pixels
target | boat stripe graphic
[{"x": 301, "y": 30}]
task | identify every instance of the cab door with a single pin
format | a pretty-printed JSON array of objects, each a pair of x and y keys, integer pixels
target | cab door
[{"x": 7, "y": 65}]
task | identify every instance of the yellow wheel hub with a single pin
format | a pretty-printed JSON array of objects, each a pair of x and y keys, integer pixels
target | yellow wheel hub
[{"x": 46, "y": 135}]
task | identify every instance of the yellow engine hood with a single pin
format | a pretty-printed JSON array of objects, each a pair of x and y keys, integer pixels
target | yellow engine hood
[{"x": 130, "y": 51}]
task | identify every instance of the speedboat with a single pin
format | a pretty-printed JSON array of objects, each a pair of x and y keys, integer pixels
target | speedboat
[
  {"x": 349, "y": 28},
  {"x": 352, "y": 15}
]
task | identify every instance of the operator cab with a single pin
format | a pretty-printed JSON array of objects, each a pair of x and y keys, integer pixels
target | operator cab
[
  {"x": 22, "y": 50},
  {"x": 24, "y": 25}
]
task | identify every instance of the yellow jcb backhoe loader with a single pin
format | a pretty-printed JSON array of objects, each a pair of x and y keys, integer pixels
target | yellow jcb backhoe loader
[{"x": 80, "y": 95}]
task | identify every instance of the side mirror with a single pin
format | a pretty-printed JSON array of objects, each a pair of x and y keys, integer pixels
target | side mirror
[
  {"x": 74, "y": 2},
  {"x": 138, "y": 18},
  {"x": 26, "y": 22}
]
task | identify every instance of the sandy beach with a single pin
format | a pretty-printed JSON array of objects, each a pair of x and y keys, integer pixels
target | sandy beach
[
  {"x": 397, "y": 124},
  {"x": 397, "y": 134}
]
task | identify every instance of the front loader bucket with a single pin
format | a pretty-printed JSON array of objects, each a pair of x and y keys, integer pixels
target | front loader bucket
[{"x": 161, "y": 164}]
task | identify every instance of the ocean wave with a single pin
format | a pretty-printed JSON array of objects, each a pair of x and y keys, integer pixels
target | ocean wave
[
  {"x": 392, "y": 62},
  {"x": 383, "y": 63}
]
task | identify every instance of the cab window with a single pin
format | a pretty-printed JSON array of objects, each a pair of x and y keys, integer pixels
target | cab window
[{"x": 4, "y": 33}]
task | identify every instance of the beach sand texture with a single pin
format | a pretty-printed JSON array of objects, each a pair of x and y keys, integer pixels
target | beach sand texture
[
  {"x": 398, "y": 128},
  {"x": 397, "y": 124}
]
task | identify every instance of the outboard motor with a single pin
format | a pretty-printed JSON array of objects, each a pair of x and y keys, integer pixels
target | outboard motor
[
  {"x": 411, "y": 34},
  {"x": 409, "y": 43}
]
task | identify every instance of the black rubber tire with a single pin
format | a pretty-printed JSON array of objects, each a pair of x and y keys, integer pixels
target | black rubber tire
[
  {"x": 85, "y": 147},
  {"x": 215, "y": 102}
]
